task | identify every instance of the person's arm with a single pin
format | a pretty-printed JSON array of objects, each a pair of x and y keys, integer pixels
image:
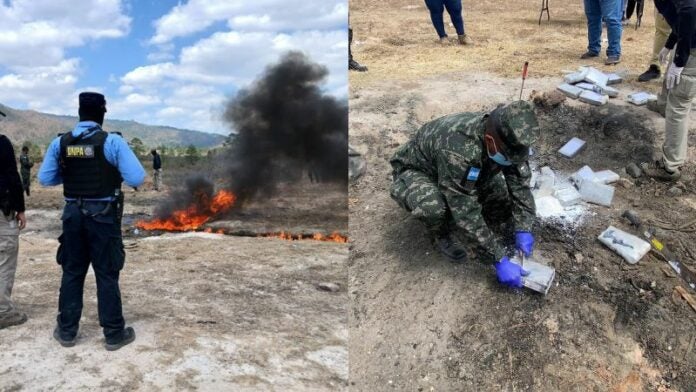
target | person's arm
[
  {"x": 523, "y": 208},
  {"x": 49, "y": 173},
  {"x": 457, "y": 184},
  {"x": 686, "y": 18},
  {"x": 119, "y": 154},
  {"x": 9, "y": 166}
]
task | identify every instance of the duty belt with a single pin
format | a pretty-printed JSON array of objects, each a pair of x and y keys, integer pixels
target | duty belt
[{"x": 86, "y": 212}]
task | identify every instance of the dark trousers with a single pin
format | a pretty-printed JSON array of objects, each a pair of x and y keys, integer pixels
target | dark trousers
[
  {"x": 350, "y": 43},
  {"x": 454, "y": 9},
  {"x": 97, "y": 240},
  {"x": 26, "y": 182}
]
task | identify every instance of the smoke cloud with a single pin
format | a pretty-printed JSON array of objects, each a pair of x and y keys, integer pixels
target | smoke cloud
[
  {"x": 285, "y": 124},
  {"x": 285, "y": 127}
]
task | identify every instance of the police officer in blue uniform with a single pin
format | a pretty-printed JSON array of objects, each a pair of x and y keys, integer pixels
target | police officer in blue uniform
[{"x": 91, "y": 164}]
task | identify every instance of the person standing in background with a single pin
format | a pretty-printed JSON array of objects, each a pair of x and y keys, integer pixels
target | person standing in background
[
  {"x": 454, "y": 9},
  {"x": 157, "y": 169},
  {"x": 610, "y": 11},
  {"x": 25, "y": 168}
]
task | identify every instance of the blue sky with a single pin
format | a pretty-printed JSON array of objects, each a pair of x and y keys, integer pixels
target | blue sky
[{"x": 160, "y": 62}]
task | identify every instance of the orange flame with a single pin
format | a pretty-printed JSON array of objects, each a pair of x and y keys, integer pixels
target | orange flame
[
  {"x": 194, "y": 216},
  {"x": 333, "y": 237}
]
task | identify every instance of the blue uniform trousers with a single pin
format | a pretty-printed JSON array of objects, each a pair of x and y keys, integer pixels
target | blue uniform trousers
[{"x": 91, "y": 234}]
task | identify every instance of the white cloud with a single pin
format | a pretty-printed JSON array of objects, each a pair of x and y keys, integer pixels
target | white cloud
[
  {"x": 34, "y": 35},
  {"x": 268, "y": 15},
  {"x": 42, "y": 88},
  {"x": 37, "y": 32},
  {"x": 194, "y": 85}
]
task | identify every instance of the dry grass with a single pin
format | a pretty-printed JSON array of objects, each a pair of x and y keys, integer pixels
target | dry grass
[{"x": 396, "y": 40}]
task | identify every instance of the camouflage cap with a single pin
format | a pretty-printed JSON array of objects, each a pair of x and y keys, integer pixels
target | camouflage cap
[{"x": 518, "y": 127}]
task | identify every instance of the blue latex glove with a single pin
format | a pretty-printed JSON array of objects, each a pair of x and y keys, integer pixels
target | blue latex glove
[
  {"x": 509, "y": 273},
  {"x": 524, "y": 242}
]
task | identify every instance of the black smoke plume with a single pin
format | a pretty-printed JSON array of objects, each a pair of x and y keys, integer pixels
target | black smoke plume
[{"x": 286, "y": 125}]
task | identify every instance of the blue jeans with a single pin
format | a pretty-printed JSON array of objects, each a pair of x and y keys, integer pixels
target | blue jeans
[
  {"x": 454, "y": 9},
  {"x": 609, "y": 10}
]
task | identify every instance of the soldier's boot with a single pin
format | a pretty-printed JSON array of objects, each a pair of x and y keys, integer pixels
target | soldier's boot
[
  {"x": 450, "y": 247},
  {"x": 12, "y": 318}
]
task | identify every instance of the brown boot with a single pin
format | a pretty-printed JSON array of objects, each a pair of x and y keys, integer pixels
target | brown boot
[
  {"x": 12, "y": 318},
  {"x": 657, "y": 107},
  {"x": 444, "y": 41},
  {"x": 658, "y": 171},
  {"x": 464, "y": 40}
]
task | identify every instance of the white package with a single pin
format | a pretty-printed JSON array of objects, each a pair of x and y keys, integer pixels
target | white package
[
  {"x": 628, "y": 246},
  {"x": 572, "y": 148}
]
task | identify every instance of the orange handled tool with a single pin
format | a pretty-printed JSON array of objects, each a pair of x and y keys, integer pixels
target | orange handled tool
[{"x": 524, "y": 76}]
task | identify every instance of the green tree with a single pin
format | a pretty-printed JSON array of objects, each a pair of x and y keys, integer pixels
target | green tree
[
  {"x": 137, "y": 146},
  {"x": 163, "y": 150},
  {"x": 192, "y": 155}
]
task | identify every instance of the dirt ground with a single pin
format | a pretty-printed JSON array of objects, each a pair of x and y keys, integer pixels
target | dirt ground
[
  {"x": 210, "y": 311},
  {"x": 396, "y": 40},
  {"x": 419, "y": 322}
]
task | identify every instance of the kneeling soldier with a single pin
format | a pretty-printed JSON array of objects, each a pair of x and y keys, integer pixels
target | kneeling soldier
[{"x": 470, "y": 171}]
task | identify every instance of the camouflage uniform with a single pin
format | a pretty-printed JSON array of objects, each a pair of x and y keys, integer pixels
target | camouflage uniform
[{"x": 443, "y": 175}]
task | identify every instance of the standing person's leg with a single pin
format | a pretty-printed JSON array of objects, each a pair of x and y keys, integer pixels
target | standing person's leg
[
  {"x": 352, "y": 64},
  {"x": 454, "y": 9},
  {"x": 73, "y": 258},
  {"x": 594, "y": 28},
  {"x": 611, "y": 15},
  {"x": 679, "y": 101},
  {"x": 436, "y": 8},
  {"x": 108, "y": 257},
  {"x": 350, "y": 43},
  {"x": 156, "y": 179},
  {"x": 25, "y": 183},
  {"x": 9, "y": 249},
  {"x": 662, "y": 31}
]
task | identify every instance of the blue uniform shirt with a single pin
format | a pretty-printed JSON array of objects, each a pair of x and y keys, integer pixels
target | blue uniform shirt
[{"x": 116, "y": 151}]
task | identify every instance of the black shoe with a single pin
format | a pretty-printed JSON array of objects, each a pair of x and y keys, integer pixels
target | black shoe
[
  {"x": 612, "y": 60},
  {"x": 355, "y": 66},
  {"x": 450, "y": 248},
  {"x": 127, "y": 338},
  {"x": 63, "y": 342},
  {"x": 653, "y": 72},
  {"x": 588, "y": 55}
]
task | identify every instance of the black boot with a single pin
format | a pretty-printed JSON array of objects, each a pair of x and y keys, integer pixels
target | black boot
[
  {"x": 653, "y": 72},
  {"x": 450, "y": 247},
  {"x": 127, "y": 338},
  {"x": 355, "y": 66}
]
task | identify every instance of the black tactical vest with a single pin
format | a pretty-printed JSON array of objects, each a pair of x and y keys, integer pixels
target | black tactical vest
[{"x": 86, "y": 172}]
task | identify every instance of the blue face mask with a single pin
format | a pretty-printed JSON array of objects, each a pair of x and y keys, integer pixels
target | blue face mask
[{"x": 500, "y": 159}]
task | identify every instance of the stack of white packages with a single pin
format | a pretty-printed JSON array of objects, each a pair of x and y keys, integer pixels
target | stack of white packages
[{"x": 590, "y": 85}]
